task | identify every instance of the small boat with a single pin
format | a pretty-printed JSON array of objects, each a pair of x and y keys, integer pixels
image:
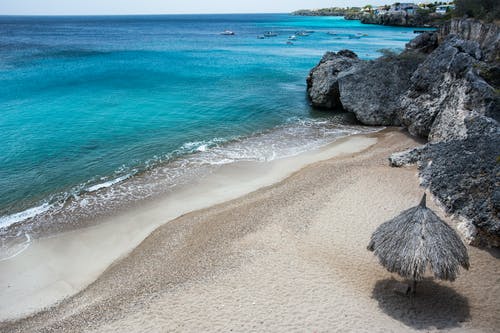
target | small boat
[
  {"x": 302, "y": 33},
  {"x": 270, "y": 34},
  {"x": 292, "y": 37},
  {"x": 261, "y": 37},
  {"x": 227, "y": 33},
  {"x": 331, "y": 33}
]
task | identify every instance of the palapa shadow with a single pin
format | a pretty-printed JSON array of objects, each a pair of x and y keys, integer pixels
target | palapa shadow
[{"x": 434, "y": 305}]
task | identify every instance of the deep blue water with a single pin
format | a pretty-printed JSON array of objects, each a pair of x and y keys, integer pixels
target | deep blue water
[{"x": 131, "y": 102}]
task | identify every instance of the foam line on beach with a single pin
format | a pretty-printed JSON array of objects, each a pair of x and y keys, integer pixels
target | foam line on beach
[{"x": 65, "y": 263}]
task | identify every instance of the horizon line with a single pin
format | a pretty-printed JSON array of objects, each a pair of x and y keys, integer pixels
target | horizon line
[{"x": 143, "y": 14}]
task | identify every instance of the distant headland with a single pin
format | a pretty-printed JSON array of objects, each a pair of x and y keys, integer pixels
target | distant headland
[{"x": 410, "y": 14}]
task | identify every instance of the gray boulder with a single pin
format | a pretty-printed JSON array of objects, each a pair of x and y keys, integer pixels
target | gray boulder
[
  {"x": 463, "y": 175},
  {"x": 425, "y": 42},
  {"x": 372, "y": 89},
  {"x": 322, "y": 82},
  {"x": 407, "y": 157},
  {"x": 445, "y": 89}
]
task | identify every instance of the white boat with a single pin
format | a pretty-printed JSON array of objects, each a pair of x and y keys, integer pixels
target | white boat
[
  {"x": 292, "y": 37},
  {"x": 270, "y": 34},
  {"x": 227, "y": 33}
]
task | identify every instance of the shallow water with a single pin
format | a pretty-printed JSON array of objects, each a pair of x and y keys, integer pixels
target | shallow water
[{"x": 101, "y": 112}]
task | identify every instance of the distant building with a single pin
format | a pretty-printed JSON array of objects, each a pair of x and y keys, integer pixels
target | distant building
[
  {"x": 404, "y": 7},
  {"x": 380, "y": 10},
  {"x": 443, "y": 9}
]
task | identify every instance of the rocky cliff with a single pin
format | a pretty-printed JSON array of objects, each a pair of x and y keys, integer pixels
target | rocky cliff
[
  {"x": 400, "y": 19},
  {"x": 486, "y": 35},
  {"x": 445, "y": 88}
]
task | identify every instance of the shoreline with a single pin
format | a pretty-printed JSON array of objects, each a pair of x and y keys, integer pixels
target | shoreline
[
  {"x": 99, "y": 245},
  {"x": 91, "y": 201},
  {"x": 287, "y": 256}
]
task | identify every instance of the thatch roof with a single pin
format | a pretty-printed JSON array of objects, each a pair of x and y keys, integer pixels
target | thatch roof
[{"x": 417, "y": 239}]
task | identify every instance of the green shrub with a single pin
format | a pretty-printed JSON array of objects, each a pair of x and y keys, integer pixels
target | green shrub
[{"x": 487, "y": 10}]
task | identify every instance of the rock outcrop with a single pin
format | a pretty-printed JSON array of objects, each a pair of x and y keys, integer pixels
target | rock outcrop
[
  {"x": 486, "y": 35},
  {"x": 424, "y": 43},
  {"x": 322, "y": 82},
  {"x": 443, "y": 88},
  {"x": 395, "y": 19},
  {"x": 464, "y": 174},
  {"x": 371, "y": 90},
  {"x": 399, "y": 19}
]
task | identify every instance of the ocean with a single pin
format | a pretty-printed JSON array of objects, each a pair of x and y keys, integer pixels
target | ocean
[{"x": 101, "y": 112}]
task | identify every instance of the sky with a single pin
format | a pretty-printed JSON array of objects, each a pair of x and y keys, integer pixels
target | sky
[{"x": 106, "y": 7}]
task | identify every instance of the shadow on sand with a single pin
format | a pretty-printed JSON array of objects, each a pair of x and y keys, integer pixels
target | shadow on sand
[{"x": 434, "y": 305}]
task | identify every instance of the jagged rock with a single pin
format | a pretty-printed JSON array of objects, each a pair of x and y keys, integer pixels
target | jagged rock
[
  {"x": 398, "y": 19},
  {"x": 407, "y": 157},
  {"x": 348, "y": 54},
  {"x": 425, "y": 42},
  {"x": 487, "y": 35},
  {"x": 444, "y": 90},
  {"x": 490, "y": 72},
  {"x": 322, "y": 82},
  {"x": 371, "y": 90},
  {"x": 465, "y": 176}
]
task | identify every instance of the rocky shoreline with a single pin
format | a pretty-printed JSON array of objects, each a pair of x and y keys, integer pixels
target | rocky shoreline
[
  {"x": 444, "y": 88},
  {"x": 396, "y": 19},
  {"x": 417, "y": 20}
]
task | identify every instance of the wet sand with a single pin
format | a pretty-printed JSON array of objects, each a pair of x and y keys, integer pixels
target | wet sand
[{"x": 288, "y": 257}]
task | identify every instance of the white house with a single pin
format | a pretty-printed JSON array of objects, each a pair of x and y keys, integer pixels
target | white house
[
  {"x": 407, "y": 7},
  {"x": 443, "y": 9}
]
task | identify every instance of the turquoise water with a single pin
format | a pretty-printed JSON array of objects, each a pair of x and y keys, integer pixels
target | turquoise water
[{"x": 98, "y": 111}]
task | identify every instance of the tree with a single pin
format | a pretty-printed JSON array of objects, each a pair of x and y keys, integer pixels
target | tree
[{"x": 487, "y": 10}]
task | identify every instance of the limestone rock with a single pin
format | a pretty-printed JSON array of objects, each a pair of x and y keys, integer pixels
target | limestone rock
[
  {"x": 322, "y": 82},
  {"x": 464, "y": 175},
  {"x": 487, "y": 35},
  {"x": 372, "y": 89},
  {"x": 444, "y": 90},
  {"x": 425, "y": 42},
  {"x": 407, "y": 157}
]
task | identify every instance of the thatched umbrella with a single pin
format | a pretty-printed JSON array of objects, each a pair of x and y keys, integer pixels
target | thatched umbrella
[{"x": 416, "y": 239}]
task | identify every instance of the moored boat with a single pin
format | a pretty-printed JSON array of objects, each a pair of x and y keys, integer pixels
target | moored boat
[{"x": 270, "y": 34}]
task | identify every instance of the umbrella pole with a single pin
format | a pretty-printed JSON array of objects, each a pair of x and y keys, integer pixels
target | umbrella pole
[{"x": 414, "y": 280}]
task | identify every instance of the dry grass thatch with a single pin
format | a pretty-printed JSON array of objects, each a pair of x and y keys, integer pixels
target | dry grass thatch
[{"x": 417, "y": 239}]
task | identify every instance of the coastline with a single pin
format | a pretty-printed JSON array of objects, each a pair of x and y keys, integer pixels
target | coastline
[
  {"x": 287, "y": 256},
  {"x": 88, "y": 251}
]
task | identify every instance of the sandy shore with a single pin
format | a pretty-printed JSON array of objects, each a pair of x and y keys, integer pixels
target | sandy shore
[
  {"x": 61, "y": 265},
  {"x": 288, "y": 257}
]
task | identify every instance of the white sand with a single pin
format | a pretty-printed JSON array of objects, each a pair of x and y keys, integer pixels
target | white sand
[
  {"x": 57, "y": 267},
  {"x": 287, "y": 258}
]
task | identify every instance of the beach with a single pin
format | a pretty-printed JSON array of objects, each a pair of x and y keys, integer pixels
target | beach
[{"x": 287, "y": 257}]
